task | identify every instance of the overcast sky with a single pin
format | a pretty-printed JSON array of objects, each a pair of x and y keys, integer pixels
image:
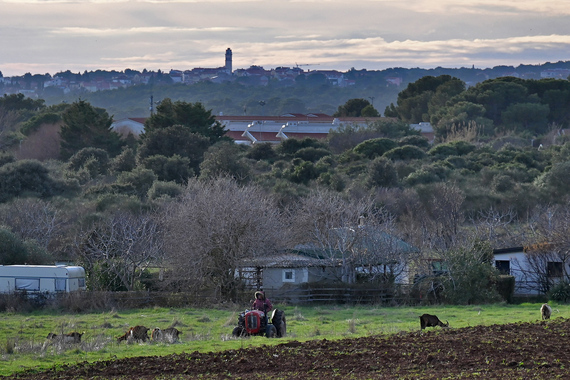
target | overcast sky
[{"x": 49, "y": 36}]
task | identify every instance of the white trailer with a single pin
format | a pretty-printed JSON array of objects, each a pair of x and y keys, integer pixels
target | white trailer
[{"x": 41, "y": 278}]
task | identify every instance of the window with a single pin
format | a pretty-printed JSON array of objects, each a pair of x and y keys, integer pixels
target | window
[
  {"x": 438, "y": 267},
  {"x": 554, "y": 269},
  {"x": 288, "y": 275},
  {"x": 60, "y": 284},
  {"x": 503, "y": 266},
  {"x": 29, "y": 284}
]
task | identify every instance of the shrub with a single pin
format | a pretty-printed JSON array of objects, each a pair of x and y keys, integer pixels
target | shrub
[
  {"x": 311, "y": 154},
  {"x": 506, "y": 287},
  {"x": 419, "y": 141},
  {"x": 406, "y": 152},
  {"x": 175, "y": 168},
  {"x": 85, "y": 155},
  {"x": 375, "y": 147},
  {"x": 140, "y": 179},
  {"x": 560, "y": 292},
  {"x": 124, "y": 162},
  {"x": 23, "y": 176},
  {"x": 160, "y": 189},
  {"x": 381, "y": 173},
  {"x": 263, "y": 151}
]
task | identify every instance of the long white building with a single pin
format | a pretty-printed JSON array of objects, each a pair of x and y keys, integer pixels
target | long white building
[{"x": 256, "y": 129}]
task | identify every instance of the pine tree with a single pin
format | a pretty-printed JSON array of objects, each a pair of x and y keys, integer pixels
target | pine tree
[{"x": 87, "y": 126}]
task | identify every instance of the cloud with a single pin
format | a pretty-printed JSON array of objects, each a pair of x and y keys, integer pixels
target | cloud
[
  {"x": 83, "y": 31},
  {"x": 334, "y": 33}
]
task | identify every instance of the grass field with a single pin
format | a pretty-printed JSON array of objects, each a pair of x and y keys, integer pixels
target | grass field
[{"x": 23, "y": 344}]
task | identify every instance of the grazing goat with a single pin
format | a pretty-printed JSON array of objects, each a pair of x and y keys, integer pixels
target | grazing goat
[
  {"x": 170, "y": 334},
  {"x": 545, "y": 311},
  {"x": 428, "y": 320},
  {"x": 137, "y": 333},
  {"x": 72, "y": 337}
]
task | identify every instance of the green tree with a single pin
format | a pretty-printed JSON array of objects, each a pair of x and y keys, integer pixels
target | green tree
[
  {"x": 369, "y": 111},
  {"x": 175, "y": 140},
  {"x": 14, "y": 251},
  {"x": 424, "y": 97},
  {"x": 87, "y": 126},
  {"x": 526, "y": 117},
  {"x": 354, "y": 108},
  {"x": 495, "y": 95},
  {"x": 192, "y": 116}
]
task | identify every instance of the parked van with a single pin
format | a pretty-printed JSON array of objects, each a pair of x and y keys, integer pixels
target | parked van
[{"x": 41, "y": 278}]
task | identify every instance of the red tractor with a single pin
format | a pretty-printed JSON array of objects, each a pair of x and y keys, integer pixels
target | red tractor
[{"x": 255, "y": 322}]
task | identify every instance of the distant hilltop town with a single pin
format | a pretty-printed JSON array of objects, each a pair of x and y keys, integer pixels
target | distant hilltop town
[{"x": 34, "y": 85}]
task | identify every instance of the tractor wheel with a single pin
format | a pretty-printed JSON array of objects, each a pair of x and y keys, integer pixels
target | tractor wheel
[
  {"x": 238, "y": 331},
  {"x": 278, "y": 321},
  {"x": 271, "y": 331}
]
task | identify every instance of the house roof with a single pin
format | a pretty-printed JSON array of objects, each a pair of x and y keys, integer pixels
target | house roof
[{"x": 290, "y": 260}]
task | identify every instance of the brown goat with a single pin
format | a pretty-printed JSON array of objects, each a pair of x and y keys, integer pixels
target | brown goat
[
  {"x": 428, "y": 320},
  {"x": 545, "y": 311},
  {"x": 137, "y": 333}
]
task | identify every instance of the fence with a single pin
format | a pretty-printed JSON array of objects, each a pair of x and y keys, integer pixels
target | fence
[
  {"x": 89, "y": 301},
  {"x": 338, "y": 295}
]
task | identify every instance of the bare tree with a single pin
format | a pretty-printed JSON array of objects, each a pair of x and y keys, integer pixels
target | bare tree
[
  {"x": 494, "y": 225},
  {"x": 547, "y": 252},
  {"x": 213, "y": 228},
  {"x": 445, "y": 216},
  {"x": 354, "y": 232},
  {"x": 432, "y": 220},
  {"x": 381, "y": 254},
  {"x": 32, "y": 218},
  {"x": 326, "y": 222},
  {"x": 120, "y": 248}
]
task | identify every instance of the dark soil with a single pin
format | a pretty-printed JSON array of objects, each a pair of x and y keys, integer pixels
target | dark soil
[{"x": 538, "y": 350}]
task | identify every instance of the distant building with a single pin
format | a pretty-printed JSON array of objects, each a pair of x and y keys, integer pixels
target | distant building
[
  {"x": 257, "y": 129},
  {"x": 229, "y": 60},
  {"x": 555, "y": 73},
  {"x": 426, "y": 129},
  {"x": 133, "y": 125}
]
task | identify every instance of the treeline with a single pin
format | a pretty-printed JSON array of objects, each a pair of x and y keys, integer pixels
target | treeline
[{"x": 182, "y": 207}]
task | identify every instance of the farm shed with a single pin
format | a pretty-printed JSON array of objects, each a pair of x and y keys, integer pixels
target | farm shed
[
  {"x": 288, "y": 269},
  {"x": 41, "y": 278},
  {"x": 535, "y": 268}
]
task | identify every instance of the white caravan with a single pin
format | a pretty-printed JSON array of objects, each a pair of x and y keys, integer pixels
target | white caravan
[{"x": 41, "y": 278}]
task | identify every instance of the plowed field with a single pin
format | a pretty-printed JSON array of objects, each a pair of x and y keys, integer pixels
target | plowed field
[{"x": 538, "y": 350}]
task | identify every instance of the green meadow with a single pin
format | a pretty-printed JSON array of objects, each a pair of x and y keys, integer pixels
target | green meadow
[{"x": 23, "y": 344}]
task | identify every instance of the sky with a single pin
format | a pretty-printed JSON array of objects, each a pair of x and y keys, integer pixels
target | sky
[{"x": 50, "y": 36}]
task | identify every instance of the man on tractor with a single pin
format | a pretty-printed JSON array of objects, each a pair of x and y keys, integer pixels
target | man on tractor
[
  {"x": 258, "y": 321},
  {"x": 261, "y": 303}
]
